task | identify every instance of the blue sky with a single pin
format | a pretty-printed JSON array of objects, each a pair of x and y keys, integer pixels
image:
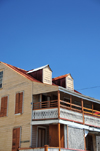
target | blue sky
[{"x": 62, "y": 33}]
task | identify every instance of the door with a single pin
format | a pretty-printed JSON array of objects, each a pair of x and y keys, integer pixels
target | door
[
  {"x": 16, "y": 139},
  {"x": 41, "y": 137},
  {"x": 89, "y": 142}
]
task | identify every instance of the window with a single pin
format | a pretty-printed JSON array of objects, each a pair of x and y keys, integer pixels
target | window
[
  {"x": 3, "y": 111},
  {"x": 1, "y": 77},
  {"x": 19, "y": 102}
]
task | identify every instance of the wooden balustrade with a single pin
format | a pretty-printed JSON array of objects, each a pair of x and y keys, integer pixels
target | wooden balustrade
[
  {"x": 66, "y": 105},
  {"x": 45, "y": 104},
  {"x": 91, "y": 111},
  {"x": 71, "y": 106}
]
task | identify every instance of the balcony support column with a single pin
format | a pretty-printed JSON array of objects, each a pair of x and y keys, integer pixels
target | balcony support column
[
  {"x": 70, "y": 101},
  {"x": 82, "y": 109},
  {"x": 92, "y": 108},
  {"x": 58, "y": 104},
  {"x": 46, "y": 147},
  {"x": 58, "y": 134}
]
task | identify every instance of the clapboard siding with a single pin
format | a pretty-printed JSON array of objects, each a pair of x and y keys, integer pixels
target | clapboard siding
[
  {"x": 47, "y": 76},
  {"x": 69, "y": 83},
  {"x": 34, "y": 132}
]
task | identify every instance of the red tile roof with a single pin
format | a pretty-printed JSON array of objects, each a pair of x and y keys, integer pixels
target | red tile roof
[
  {"x": 60, "y": 77},
  {"x": 22, "y": 72},
  {"x": 77, "y": 92}
]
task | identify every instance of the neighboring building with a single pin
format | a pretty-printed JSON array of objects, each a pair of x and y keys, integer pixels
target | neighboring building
[{"x": 39, "y": 113}]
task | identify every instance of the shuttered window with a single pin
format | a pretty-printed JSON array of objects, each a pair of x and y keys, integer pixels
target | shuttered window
[
  {"x": 1, "y": 77},
  {"x": 3, "y": 111},
  {"x": 16, "y": 139},
  {"x": 19, "y": 102}
]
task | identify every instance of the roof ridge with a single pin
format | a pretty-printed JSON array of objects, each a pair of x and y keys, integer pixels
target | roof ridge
[{"x": 62, "y": 76}]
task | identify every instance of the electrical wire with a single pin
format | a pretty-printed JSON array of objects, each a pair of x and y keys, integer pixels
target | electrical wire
[{"x": 89, "y": 88}]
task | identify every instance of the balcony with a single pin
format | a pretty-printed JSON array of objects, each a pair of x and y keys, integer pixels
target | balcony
[{"x": 60, "y": 109}]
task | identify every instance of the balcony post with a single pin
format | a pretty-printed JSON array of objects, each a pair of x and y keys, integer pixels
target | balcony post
[
  {"x": 82, "y": 109},
  {"x": 84, "y": 142},
  {"x": 70, "y": 101},
  {"x": 92, "y": 108},
  {"x": 58, "y": 104},
  {"x": 46, "y": 147},
  {"x": 59, "y": 135}
]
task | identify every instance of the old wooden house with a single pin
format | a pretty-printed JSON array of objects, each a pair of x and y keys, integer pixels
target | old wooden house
[{"x": 38, "y": 113}]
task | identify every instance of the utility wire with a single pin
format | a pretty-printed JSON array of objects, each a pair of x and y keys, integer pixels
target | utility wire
[{"x": 89, "y": 88}]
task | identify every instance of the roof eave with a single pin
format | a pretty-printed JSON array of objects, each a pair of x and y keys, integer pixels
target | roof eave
[{"x": 78, "y": 95}]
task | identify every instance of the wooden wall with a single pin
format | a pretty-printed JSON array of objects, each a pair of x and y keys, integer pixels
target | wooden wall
[{"x": 53, "y": 135}]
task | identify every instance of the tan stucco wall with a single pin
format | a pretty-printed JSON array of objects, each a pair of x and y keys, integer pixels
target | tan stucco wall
[
  {"x": 39, "y": 88},
  {"x": 13, "y": 83}
]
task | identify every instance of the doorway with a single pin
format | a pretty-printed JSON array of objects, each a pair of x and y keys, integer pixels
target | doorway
[
  {"x": 89, "y": 142},
  {"x": 41, "y": 136}
]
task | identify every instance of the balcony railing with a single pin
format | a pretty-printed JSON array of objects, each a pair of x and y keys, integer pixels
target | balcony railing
[
  {"x": 45, "y": 104},
  {"x": 65, "y": 105}
]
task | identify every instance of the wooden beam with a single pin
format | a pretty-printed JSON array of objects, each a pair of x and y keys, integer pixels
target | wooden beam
[
  {"x": 82, "y": 110},
  {"x": 92, "y": 107},
  {"x": 84, "y": 142},
  {"x": 46, "y": 147},
  {"x": 58, "y": 134},
  {"x": 67, "y": 137},
  {"x": 58, "y": 104},
  {"x": 70, "y": 101}
]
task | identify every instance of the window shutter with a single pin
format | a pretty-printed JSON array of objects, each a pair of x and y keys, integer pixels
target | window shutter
[
  {"x": 17, "y": 103},
  {"x": 20, "y": 102},
  {"x": 18, "y": 137},
  {"x": 15, "y": 139},
  {"x": 2, "y": 107},
  {"x": 5, "y": 105}
]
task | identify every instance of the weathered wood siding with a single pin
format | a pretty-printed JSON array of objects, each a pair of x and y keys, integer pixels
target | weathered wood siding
[
  {"x": 69, "y": 83},
  {"x": 47, "y": 76}
]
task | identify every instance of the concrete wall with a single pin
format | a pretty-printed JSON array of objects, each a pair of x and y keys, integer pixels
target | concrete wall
[
  {"x": 43, "y": 88},
  {"x": 13, "y": 83},
  {"x": 75, "y": 138}
]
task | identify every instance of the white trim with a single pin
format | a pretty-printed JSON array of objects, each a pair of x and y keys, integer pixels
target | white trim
[
  {"x": 78, "y": 95},
  {"x": 38, "y": 69},
  {"x": 18, "y": 114},
  {"x": 80, "y": 126},
  {"x": 65, "y": 136},
  {"x": 44, "y": 122},
  {"x": 31, "y": 125},
  {"x": 70, "y": 124}
]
